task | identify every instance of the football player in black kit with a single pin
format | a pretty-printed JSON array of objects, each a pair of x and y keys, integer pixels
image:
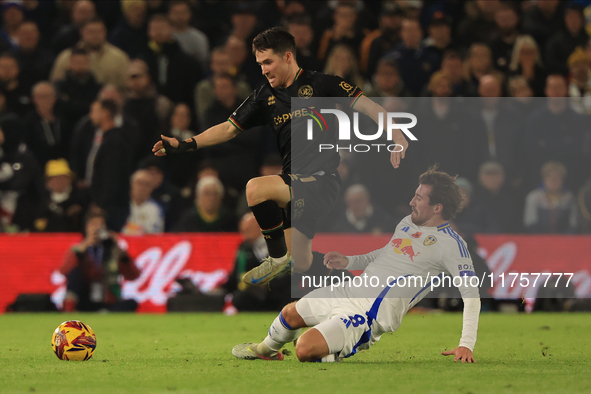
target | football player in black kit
[{"x": 314, "y": 185}]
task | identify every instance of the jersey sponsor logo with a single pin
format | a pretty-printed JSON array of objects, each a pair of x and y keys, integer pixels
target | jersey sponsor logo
[
  {"x": 271, "y": 100},
  {"x": 305, "y": 91},
  {"x": 295, "y": 114},
  {"x": 404, "y": 247},
  {"x": 416, "y": 235},
  {"x": 430, "y": 240}
]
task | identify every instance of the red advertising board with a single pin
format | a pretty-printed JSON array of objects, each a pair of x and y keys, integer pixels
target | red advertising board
[{"x": 30, "y": 263}]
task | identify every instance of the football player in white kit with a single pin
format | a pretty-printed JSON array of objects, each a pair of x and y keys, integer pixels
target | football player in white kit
[{"x": 349, "y": 318}]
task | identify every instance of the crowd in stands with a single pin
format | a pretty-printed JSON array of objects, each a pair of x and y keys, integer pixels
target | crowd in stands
[{"x": 87, "y": 87}]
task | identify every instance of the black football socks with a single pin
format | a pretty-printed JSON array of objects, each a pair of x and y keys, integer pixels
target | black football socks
[{"x": 270, "y": 219}]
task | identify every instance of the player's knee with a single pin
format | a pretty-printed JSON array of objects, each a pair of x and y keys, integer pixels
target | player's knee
[
  {"x": 291, "y": 315},
  {"x": 305, "y": 350},
  {"x": 253, "y": 192}
]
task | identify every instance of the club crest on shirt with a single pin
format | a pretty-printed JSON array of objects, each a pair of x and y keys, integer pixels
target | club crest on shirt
[
  {"x": 305, "y": 91},
  {"x": 271, "y": 100},
  {"x": 430, "y": 240},
  {"x": 417, "y": 235}
]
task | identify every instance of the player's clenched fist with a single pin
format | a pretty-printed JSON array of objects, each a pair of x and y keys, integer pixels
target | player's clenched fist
[{"x": 335, "y": 260}]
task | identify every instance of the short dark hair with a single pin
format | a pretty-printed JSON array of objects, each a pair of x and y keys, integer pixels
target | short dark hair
[
  {"x": 277, "y": 39},
  {"x": 111, "y": 106},
  {"x": 94, "y": 212},
  {"x": 444, "y": 191}
]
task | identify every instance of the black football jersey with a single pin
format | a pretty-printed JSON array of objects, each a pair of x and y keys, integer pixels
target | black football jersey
[{"x": 270, "y": 106}]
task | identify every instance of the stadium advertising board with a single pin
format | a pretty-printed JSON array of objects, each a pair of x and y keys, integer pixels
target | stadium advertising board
[{"x": 207, "y": 259}]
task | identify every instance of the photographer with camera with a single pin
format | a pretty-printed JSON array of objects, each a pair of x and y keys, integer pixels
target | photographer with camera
[{"x": 92, "y": 268}]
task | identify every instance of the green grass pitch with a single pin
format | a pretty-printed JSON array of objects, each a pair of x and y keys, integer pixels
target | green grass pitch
[{"x": 183, "y": 353}]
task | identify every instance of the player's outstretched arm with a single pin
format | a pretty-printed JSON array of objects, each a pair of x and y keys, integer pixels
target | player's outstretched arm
[
  {"x": 373, "y": 110},
  {"x": 335, "y": 260},
  {"x": 461, "y": 353},
  {"x": 214, "y": 135}
]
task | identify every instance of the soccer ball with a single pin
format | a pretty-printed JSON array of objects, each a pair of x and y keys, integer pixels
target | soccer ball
[{"x": 73, "y": 340}]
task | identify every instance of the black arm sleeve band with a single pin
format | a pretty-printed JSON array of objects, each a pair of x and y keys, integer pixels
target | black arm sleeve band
[{"x": 183, "y": 146}]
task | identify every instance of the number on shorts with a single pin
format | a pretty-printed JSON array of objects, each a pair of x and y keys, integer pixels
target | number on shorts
[{"x": 357, "y": 320}]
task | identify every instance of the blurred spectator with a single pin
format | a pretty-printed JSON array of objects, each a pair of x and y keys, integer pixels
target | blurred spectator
[
  {"x": 130, "y": 33},
  {"x": 226, "y": 100},
  {"x": 145, "y": 216},
  {"x": 579, "y": 89},
  {"x": 243, "y": 61},
  {"x": 156, "y": 7},
  {"x": 45, "y": 132},
  {"x": 107, "y": 62},
  {"x": 497, "y": 197},
  {"x": 495, "y": 135},
  {"x": 474, "y": 218},
  {"x": 387, "y": 81},
  {"x": 361, "y": 216},
  {"x": 13, "y": 14},
  {"x": 301, "y": 29},
  {"x": 344, "y": 31},
  {"x": 551, "y": 208},
  {"x": 34, "y": 62},
  {"x": 150, "y": 109},
  {"x": 92, "y": 269},
  {"x": 507, "y": 21},
  {"x": 192, "y": 41},
  {"x": 208, "y": 214},
  {"x": 439, "y": 39},
  {"x": 249, "y": 255},
  {"x": 183, "y": 167},
  {"x": 441, "y": 131},
  {"x": 21, "y": 180},
  {"x": 341, "y": 61},
  {"x": 477, "y": 64},
  {"x": 220, "y": 64},
  {"x": 453, "y": 66},
  {"x": 167, "y": 195},
  {"x": 414, "y": 63},
  {"x": 556, "y": 132},
  {"x": 82, "y": 12},
  {"x": 244, "y": 20},
  {"x": 564, "y": 42},
  {"x": 524, "y": 102},
  {"x": 109, "y": 164},
  {"x": 78, "y": 89},
  {"x": 526, "y": 61},
  {"x": 380, "y": 41},
  {"x": 16, "y": 92},
  {"x": 543, "y": 20},
  {"x": 479, "y": 24},
  {"x": 67, "y": 203},
  {"x": 174, "y": 73}
]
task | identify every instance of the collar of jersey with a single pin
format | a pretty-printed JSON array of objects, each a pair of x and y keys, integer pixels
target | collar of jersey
[
  {"x": 442, "y": 226},
  {"x": 297, "y": 74}
]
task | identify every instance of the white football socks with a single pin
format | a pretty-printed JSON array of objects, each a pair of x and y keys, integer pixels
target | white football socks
[{"x": 280, "y": 333}]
